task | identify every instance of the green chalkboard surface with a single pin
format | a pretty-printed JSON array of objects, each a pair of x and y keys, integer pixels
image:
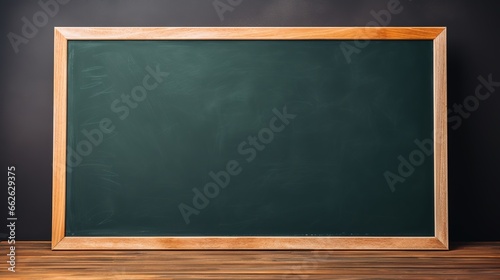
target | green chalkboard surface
[{"x": 249, "y": 138}]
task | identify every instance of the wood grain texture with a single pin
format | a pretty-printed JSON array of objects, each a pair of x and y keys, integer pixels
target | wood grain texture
[
  {"x": 440, "y": 139},
  {"x": 247, "y": 33},
  {"x": 62, "y": 35},
  {"x": 59, "y": 147},
  {"x": 250, "y": 243},
  {"x": 35, "y": 260}
]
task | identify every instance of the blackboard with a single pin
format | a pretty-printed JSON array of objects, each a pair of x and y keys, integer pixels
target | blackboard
[{"x": 265, "y": 138}]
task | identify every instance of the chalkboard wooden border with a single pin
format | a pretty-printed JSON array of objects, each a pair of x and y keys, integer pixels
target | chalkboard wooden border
[{"x": 63, "y": 34}]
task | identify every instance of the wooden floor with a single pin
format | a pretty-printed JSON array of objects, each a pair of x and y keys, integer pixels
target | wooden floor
[{"x": 35, "y": 260}]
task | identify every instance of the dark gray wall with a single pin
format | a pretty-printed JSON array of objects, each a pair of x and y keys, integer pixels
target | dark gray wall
[{"x": 473, "y": 43}]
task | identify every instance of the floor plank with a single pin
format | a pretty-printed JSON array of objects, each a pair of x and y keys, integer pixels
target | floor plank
[{"x": 35, "y": 260}]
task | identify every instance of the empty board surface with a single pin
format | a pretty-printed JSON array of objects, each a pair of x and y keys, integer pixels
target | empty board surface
[{"x": 249, "y": 138}]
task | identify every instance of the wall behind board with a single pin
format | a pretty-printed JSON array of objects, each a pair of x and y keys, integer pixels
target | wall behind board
[{"x": 26, "y": 91}]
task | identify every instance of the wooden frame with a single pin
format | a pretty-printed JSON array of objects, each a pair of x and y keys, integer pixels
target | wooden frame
[{"x": 438, "y": 242}]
